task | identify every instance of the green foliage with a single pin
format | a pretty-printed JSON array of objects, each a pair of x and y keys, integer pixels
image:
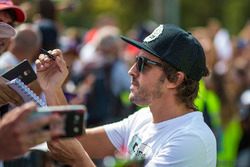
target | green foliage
[
  {"x": 126, "y": 12},
  {"x": 196, "y": 13},
  {"x": 235, "y": 14},
  {"x": 232, "y": 13}
]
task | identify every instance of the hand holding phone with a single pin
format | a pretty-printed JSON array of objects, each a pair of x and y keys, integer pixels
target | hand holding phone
[
  {"x": 73, "y": 122},
  {"x": 18, "y": 134}
]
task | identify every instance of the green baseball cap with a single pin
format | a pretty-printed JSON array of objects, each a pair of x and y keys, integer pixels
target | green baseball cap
[{"x": 176, "y": 47}]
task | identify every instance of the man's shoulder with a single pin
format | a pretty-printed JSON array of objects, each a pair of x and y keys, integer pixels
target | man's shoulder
[{"x": 192, "y": 125}]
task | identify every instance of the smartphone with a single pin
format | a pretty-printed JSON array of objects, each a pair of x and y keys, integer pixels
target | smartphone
[
  {"x": 23, "y": 71},
  {"x": 73, "y": 122}
]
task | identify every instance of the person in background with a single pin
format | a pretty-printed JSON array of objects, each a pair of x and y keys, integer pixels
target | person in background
[
  {"x": 244, "y": 145},
  {"x": 111, "y": 80},
  {"x": 170, "y": 131},
  {"x": 6, "y": 93},
  {"x": 17, "y": 133},
  {"x": 25, "y": 45},
  {"x": 221, "y": 39},
  {"x": 10, "y": 14},
  {"x": 46, "y": 22}
]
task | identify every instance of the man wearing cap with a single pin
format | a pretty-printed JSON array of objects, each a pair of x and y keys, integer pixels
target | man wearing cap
[{"x": 170, "y": 131}]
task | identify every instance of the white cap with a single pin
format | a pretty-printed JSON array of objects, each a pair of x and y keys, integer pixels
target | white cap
[
  {"x": 245, "y": 97},
  {"x": 245, "y": 103},
  {"x": 6, "y": 31}
]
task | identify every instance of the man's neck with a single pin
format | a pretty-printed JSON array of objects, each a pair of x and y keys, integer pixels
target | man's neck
[{"x": 167, "y": 110}]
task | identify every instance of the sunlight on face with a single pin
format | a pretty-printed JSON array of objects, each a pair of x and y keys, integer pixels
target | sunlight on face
[{"x": 145, "y": 93}]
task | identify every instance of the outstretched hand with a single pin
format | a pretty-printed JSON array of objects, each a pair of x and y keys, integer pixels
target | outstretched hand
[
  {"x": 18, "y": 134},
  {"x": 70, "y": 152}
]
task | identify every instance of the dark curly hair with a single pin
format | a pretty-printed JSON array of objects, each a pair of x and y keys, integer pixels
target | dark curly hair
[{"x": 187, "y": 91}]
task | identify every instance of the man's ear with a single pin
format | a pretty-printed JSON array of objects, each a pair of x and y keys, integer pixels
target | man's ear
[{"x": 179, "y": 79}]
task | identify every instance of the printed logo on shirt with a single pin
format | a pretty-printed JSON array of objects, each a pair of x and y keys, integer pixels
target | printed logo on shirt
[{"x": 139, "y": 150}]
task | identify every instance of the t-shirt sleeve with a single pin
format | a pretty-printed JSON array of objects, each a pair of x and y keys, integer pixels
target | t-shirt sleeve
[{"x": 118, "y": 132}]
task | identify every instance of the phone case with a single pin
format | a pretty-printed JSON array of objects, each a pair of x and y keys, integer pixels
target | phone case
[
  {"x": 74, "y": 118},
  {"x": 23, "y": 71}
]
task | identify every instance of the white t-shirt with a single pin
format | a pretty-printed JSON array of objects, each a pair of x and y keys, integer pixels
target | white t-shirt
[
  {"x": 182, "y": 141},
  {"x": 7, "y": 61}
]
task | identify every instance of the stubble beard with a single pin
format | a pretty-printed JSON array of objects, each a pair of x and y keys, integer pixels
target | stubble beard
[{"x": 144, "y": 96}]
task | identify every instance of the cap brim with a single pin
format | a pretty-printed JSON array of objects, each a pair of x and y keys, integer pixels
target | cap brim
[
  {"x": 20, "y": 15},
  {"x": 6, "y": 31},
  {"x": 139, "y": 45}
]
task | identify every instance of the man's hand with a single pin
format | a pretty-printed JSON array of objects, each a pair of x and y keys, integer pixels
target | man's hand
[
  {"x": 8, "y": 95},
  {"x": 70, "y": 152},
  {"x": 51, "y": 74}
]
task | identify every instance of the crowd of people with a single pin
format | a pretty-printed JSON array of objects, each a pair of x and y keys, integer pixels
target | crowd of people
[{"x": 154, "y": 84}]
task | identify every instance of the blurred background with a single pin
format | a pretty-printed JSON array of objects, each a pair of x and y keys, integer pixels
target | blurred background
[
  {"x": 233, "y": 14},
  {"x": 87, "y": 31}
]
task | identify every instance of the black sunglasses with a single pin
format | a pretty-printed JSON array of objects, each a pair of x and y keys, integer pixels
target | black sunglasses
[{"x": 141, "y": 61}]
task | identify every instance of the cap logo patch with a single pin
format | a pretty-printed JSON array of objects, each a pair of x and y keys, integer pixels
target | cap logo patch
[{"x": 155, "y": 34}]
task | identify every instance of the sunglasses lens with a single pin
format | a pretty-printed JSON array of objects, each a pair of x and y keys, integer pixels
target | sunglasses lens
[{"x": 139, "y": 63}]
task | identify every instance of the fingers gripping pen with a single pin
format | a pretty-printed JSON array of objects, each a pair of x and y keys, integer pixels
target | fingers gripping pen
[{"x": 43, "y": 51}]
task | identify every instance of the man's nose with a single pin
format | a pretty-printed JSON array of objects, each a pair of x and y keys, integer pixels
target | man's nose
[{"x": 133, "y": 70}]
